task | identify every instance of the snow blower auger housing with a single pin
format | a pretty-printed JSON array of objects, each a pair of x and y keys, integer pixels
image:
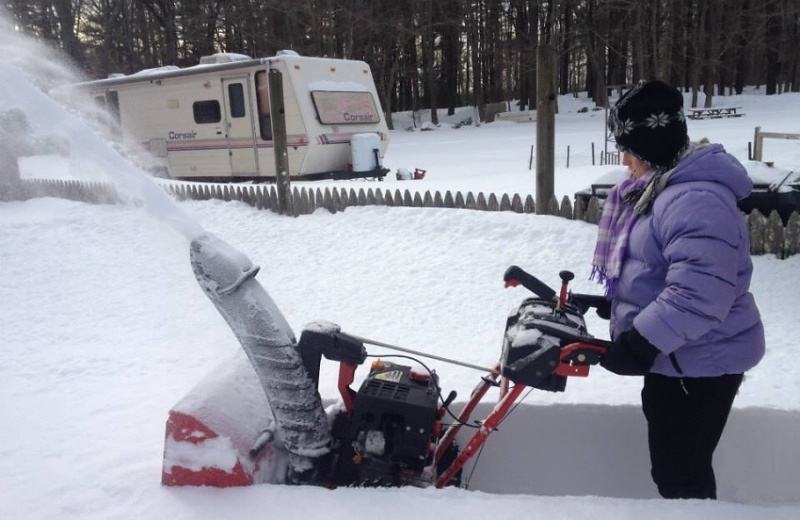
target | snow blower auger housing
[{"x": 258, "y": 419}]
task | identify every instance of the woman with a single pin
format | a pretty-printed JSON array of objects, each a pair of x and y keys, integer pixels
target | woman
[{"x": 674, "y": 253}]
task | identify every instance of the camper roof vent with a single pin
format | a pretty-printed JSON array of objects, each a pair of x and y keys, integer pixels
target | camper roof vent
[
  {"x": 286, "y": 52},
  {"x": 223, "y": 57}
]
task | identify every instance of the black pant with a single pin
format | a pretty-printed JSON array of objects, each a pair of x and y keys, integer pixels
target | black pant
[{"x": 685, "y": 419}]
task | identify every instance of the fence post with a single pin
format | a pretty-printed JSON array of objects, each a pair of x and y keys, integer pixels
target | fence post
[
  {"x": 791, "y": 235},
  {"x": 566, "y": 208},
  {"x": 448, "y": 200},
  {"x": 530, "y": 205},
  {"x": 336, "y": 201},
  {"x": 530, "y": 159},
  {"x": 480, "y": 204},
  {"x": 516, "y": 204},
  {"x": 592, "y": 214},
  {"x": 756, "y": 226},
  {"x": 552, "y": 206},
  {"x": 774, "y": 238},
  {"x": 505, "y": 203},
  {"x": 470, "y": 202},
  {"x": 578, "y": 210},
  {"x": 758, "y": 142}
]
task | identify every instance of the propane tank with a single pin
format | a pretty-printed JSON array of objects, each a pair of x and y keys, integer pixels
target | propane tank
[{"x": 365, "y": 150}]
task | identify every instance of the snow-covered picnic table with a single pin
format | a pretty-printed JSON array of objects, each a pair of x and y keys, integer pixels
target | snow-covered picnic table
[{"x": 714, "y": 112}]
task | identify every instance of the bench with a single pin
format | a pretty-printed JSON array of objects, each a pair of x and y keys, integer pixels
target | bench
[{"x": 714, "y": 112}]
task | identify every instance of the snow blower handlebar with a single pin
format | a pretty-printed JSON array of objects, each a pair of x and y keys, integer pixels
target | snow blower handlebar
[
  {"x": 543, "y": 365},
  {"x": 515, "y": 276},
  {"x": 542, "y": 348}
]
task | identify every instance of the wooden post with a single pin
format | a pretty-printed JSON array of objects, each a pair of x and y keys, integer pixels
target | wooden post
[
  {"x": 530, "y": 159},
  {"x": 791, "y": 235},
  {"x": 757, "y": 141},
  {"x": 545, "y": 126},
  {"x": 280, "y": 143}
]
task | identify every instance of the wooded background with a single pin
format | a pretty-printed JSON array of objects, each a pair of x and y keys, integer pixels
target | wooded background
[{"x": 428, "y": 54}]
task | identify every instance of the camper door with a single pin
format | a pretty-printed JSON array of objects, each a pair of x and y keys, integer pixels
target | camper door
[{"x": 239, "y": 121}]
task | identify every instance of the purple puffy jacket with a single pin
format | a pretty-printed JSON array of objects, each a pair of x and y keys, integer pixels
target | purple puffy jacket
[{"x": 686, "y": 276}]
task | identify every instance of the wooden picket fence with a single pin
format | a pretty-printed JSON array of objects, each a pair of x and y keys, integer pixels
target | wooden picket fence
[{"x": 768, "y": 235}]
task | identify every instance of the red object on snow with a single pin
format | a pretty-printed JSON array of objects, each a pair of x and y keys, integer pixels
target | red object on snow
[
  {"x": 419, "y": 174},
  {"x": 212, "y": 429},
  {"x": 186, "y": 428}
]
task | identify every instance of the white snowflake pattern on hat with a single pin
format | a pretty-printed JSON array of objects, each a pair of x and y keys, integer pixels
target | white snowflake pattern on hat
[
  {"x": 657, "y": 120},
  {"x": 624, "y": 127}
]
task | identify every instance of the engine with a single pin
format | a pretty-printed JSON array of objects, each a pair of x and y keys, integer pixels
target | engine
[
  {"x": 385, "y": 433},
  {"x": 387, "y": 438}
]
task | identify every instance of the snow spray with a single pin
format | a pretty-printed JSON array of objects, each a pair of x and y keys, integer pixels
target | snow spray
[
  {"x": 27, "y": 68},
  {"x": 226, "y": 275}
]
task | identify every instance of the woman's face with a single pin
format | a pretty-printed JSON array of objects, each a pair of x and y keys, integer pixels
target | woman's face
[{"x": 636, "y": 168}]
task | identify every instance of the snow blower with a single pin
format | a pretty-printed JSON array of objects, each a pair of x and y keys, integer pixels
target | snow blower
[{"x": 260, "y": 419}]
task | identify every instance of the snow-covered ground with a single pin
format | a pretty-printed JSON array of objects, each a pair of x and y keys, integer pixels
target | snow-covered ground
[{"x": 104, "y": 328}]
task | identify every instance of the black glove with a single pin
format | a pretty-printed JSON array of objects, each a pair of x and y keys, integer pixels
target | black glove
[{"x": 630, "y": 355}]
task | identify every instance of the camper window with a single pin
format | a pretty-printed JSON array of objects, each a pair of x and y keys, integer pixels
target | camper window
[
  {"x": 343, "y": 108},
  {"x": 262, "y": 100},
  {"x": 206, "y": 111},
  {"x": 236, "y": 99}
]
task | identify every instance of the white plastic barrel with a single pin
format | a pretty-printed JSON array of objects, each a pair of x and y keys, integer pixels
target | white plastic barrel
[{"x": 362, "y": 148}]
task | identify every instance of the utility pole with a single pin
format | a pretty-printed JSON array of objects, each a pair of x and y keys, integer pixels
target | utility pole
[
  {"x": 280, "y": 146},
  {"x": 546, "y": 59}
]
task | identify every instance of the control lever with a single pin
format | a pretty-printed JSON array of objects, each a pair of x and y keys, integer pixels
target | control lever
[{"x": 566, "y": 277}]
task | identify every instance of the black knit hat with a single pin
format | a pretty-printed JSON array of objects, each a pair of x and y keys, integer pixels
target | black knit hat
[{"x": 648, "y": 122}]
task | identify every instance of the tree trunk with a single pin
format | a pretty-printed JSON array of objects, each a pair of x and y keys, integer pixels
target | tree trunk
[
  {"x": 66, "y": 23},
  {"x": 566, "y": 35},
  {"x": 427, "y": 61},
  {"x": 773, "y": 38},
  {"x": 712, "y": 25}
]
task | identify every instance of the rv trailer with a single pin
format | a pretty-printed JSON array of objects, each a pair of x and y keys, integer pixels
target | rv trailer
[{"x": 212, "y": 121}]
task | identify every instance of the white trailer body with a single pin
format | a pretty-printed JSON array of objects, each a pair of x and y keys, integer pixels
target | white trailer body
[{"x": 212, "y": 121}]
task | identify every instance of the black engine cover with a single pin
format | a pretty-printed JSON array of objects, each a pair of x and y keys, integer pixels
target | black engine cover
[{"x": 386, "y": 439}]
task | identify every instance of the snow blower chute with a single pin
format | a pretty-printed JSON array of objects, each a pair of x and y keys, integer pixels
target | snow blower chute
[{"x": 259, "y": 418}]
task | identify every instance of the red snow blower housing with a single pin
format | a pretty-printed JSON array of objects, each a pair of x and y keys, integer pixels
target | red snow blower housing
[{"x": 392, "y": 431}]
